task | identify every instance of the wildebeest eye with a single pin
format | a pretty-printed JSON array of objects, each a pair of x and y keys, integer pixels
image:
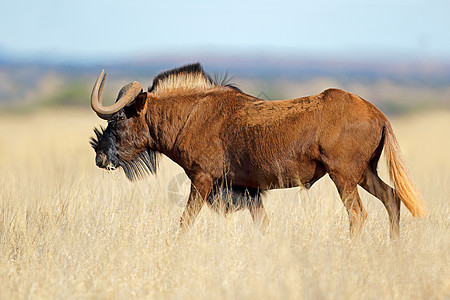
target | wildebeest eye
[{"x": 119, "y": 118}]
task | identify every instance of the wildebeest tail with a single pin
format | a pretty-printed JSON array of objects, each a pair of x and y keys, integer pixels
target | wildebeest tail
[{"x": 405, "y": 188}]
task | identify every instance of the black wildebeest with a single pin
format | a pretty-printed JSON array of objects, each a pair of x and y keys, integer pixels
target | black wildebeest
[{"x": 235, "y": 145}]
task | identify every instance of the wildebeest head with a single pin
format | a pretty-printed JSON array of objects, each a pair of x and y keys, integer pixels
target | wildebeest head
[{"x": 125, "y": 141}]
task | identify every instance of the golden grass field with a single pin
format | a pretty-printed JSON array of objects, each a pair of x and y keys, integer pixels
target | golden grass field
[{"x": 70, "y": 230}]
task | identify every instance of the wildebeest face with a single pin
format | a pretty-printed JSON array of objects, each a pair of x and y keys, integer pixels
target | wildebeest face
[
  {"x": 104, "y": 144},
  {"x": 125, "y": 141}
]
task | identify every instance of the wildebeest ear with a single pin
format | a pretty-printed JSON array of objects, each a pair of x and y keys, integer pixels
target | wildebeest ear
[{"x": 139, "y": 103}]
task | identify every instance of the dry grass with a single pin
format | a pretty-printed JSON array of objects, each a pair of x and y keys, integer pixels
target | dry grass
[{"x": 70, "y": 230}]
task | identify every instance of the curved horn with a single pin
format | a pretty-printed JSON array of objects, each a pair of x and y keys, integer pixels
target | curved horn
[{"x": 126, "y": 96}]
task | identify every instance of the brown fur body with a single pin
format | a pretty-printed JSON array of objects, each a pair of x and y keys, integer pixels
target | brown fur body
[{"x": 222, "y": 136}]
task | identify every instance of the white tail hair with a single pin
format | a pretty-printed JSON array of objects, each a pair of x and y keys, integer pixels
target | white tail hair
[{"x": 405, "y": 188}]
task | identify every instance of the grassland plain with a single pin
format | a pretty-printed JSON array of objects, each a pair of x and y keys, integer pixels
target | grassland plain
[{"x": 70, "y": 230}]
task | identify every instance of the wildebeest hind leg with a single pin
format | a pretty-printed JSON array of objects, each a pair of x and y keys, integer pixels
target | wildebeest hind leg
[
  {"x": 373, "y": 184},
  {"x": 348, "y": 192}
]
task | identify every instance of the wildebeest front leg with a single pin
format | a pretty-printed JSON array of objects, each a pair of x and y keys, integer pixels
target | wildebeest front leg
[
  {"x": 259, "y": 216},
  {"x": 200, "y": 189},
  {"x": 258, "y": 212}
]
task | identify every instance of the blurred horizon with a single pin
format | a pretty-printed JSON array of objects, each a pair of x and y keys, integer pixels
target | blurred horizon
[{"x": 396, "y": 87}]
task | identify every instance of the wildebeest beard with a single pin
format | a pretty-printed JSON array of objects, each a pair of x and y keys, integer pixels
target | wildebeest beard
[{"x": 144, "y": 163}]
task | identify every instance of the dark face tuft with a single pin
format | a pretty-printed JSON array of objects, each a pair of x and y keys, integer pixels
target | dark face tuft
[
  {"x": 104, "y": 144},
  {"x": 124, "y": 143}
]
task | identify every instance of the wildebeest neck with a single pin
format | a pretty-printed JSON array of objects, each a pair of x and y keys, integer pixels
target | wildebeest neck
[{"x": 167, "y": 117}]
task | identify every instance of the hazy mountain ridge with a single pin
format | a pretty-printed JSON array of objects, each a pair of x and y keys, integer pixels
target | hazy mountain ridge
[{"x": 403, "y": 83}]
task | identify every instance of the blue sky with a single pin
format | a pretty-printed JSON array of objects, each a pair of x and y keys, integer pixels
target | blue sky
[{"x": 88, "y": 29}]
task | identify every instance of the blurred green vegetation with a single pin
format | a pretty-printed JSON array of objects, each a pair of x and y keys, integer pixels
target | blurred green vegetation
[
  {"x": 77, "y": 95},
  {"x": 396, "y": 89},
  {"x": 72, "y": 95}
]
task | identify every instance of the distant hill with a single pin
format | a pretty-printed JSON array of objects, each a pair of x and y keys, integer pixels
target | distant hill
[{"x": 395, "y": 86}]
